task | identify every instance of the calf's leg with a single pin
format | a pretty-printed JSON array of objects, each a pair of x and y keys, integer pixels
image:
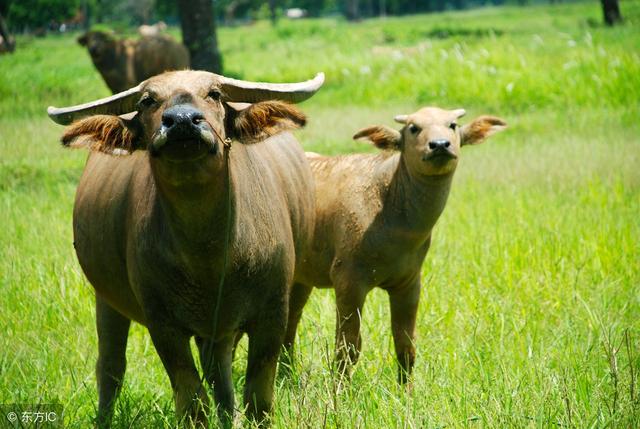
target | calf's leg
[
  {"x": 349, "y": 304},
  {"x": 404, "y": 307},
  {"x": 113, "y": 331}
]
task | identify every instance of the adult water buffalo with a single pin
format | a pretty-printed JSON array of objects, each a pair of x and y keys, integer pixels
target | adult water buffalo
[
  {"x": 375, "y": 215},
  {"x": 126, "y": 62},
  {"x": 188, "y": 236}
]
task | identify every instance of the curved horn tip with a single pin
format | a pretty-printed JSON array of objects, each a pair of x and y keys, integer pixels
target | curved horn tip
[
  {"x": 58, "y": 117},
  {"x": 402, "y": 119}
]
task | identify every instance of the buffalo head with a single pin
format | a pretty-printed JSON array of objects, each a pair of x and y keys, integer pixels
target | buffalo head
[{"x": 184, "y": 115}]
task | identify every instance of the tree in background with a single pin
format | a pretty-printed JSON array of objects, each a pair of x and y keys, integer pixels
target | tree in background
[
  {"x": 352, "y": 10},
  {"x": 33, "y": 15},
  {"x": 7, "y": 42},
  {"x": 611, "y": 11},
  {"x": 199, "y": 34},
  {"x": 273, "y": 14}
]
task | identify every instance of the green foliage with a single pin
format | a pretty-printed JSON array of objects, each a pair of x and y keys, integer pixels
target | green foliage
[
  {"x": 529, "y": 311},
  {"x": 39, "y": 13}
]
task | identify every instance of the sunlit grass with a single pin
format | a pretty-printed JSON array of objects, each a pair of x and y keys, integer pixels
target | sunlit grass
[{"x": 532, "y": 282}]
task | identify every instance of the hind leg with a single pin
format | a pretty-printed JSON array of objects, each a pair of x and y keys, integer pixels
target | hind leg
[
  {"x": 297, "y": 300},
  {"x": 350, "y": 299},
  {"x": 113, "y": 331}
]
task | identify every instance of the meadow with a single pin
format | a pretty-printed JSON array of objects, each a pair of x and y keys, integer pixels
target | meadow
[{"x": 530, "y": 310}]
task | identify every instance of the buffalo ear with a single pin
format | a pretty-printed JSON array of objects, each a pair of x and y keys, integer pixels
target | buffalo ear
[
  {"x": 83, "y": 40},
  {"x": 480, "y": 128},
  {"x": 381, "y": 136},
  {"x": 114, "y": 135},
  {"x": 264, "y": 119}
]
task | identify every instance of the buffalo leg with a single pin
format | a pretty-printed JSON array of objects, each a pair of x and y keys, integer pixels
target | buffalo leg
[
  {"x": 349, "y": 304},
  {"x": 297, "y": 300},
  {"x": 173, "y": 348},
  {"x": 404, "y": 307},
  {"x": 264, "y": 348},
  {"x": 216, "y": 359},
  {"x": 113, "y": 331}
]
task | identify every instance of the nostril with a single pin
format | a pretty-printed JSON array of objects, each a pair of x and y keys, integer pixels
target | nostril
[
  {"x": 167, "y": 121},
  {"x": 439, "y": 144},
  {"x": 197, "y": 118}
]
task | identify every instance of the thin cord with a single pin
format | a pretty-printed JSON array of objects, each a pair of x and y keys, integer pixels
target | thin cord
[{"x": 207, "y": 366}]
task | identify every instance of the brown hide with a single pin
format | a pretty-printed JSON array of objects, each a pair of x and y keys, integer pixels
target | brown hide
[
  {"x": 124, "y": 63},
  {"x": 374, "y": 218},
  {"x": 150, "y": 228}
]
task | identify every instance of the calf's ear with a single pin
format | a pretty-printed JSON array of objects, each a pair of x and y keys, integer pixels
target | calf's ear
[
  {"x": 262, "y": 120},
  {"x": 114, "y": 135},
  {"x": 381, "y": 136},
  {"x": 480, "y": 128}
]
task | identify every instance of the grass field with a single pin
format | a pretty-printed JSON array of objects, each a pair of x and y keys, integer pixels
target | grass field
[{"x": 530, "y": 312}]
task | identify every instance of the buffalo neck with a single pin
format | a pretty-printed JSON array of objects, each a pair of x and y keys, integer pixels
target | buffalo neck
[
  {"x": 195, "y": 198},
  {"x": 414, "y": 202},
  {"x": 115, "y": 67}
]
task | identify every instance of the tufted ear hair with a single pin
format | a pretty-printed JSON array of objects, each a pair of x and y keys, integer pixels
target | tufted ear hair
[
  {"x": 114, "y": 135},
  {"x": 480, "y": 128},
  {"x": 381, "y": 136},
  {"x": 261, "y": 120}
]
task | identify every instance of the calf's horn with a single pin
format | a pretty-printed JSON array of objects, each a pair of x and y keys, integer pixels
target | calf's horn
[
  {"x": 251, "y": 92},
  {"x": 117, "y": 104}
]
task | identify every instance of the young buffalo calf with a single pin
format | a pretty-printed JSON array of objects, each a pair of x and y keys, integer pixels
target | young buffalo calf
[{"x": 375, "y": 214}]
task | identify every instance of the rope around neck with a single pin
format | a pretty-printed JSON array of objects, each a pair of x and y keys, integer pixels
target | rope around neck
[{"x": 208, "y": 351}]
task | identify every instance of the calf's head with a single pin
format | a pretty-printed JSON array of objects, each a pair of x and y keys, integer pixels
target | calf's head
[
  {"x": 431, "y": 138},
  {"x": 184, "y": 116}
]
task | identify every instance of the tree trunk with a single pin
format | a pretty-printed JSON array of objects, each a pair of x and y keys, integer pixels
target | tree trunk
[
  {"x": 272, "y": 11},
  {"x": 8, "y": 42},
  {"x": 611, "y": 12},
  {"x": 199, "y": 34},
  {"x": 352, "y": 11}
]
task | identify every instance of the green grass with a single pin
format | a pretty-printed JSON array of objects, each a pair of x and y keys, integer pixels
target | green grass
[{"x": 532, "y": 286}]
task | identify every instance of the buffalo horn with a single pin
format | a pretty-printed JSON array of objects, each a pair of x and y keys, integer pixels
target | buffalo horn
[
  {"x": 117, "y": 104},
  {"x": 251, "y": 92}
]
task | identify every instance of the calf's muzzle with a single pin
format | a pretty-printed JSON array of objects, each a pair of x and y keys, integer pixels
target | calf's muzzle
[{"x": 439, "y": 144}]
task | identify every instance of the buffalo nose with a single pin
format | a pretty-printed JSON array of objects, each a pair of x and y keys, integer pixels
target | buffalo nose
[
  {"x": 181, "y": 116},
  {"x": 439, "y": 144}
]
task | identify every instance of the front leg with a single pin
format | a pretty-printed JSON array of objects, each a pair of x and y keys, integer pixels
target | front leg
[
  {"x": 173, "y": 348},
  {"x": 404, "y": 308},
  {"x": 216, "y": 360},
  {"x": 265, "y": 342},
  {"x": 350, "y": 299},
  {"x": 113, "y": 331}
]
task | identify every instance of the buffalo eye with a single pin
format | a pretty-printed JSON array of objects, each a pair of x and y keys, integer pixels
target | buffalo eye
[
  {"x": 414, "y": 129},
  {"x": 146, "y": 101},
  {"x": 214, "y": 95},
  {"x": 453, "y": 126}
]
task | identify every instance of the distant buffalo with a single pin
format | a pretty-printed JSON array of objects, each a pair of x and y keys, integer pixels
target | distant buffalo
[{"x": 125, "y": 63}]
